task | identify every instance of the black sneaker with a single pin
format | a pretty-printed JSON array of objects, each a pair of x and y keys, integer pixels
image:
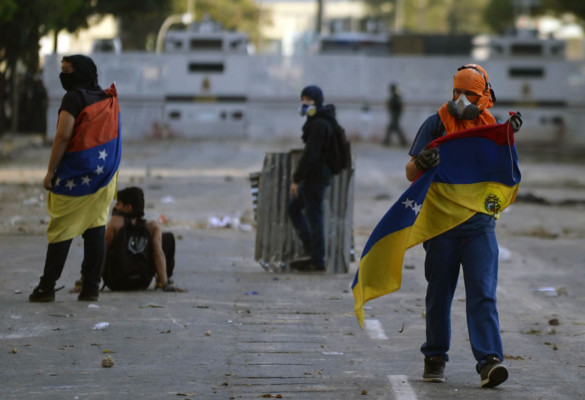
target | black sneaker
[
  {"x": 39, "y": 295},
  {"x": 434, "y": 369},
  {"x": 300, "y": 263},
  {"x": 493, "y": 372},
  {"x": 310, "y": 267},
  {"x": 88, "y": 295}
]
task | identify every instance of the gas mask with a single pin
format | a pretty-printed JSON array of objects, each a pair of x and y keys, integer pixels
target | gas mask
[
  {"x": 462, "y": 108},
  {"x": 307, "y": 110}
]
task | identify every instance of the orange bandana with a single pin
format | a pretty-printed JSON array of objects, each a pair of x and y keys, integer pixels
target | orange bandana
[{"x": 473, "y": 78}]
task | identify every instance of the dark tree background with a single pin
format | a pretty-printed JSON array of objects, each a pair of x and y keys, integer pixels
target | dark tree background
[{"x": 24, "y": 22}]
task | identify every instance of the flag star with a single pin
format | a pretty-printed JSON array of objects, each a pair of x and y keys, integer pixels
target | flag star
[
  {"x": 103, "y": 155},
  {"x": 85, "y": 180},
  {"x": 57, "y": 181},
  {"x": 407, "y": 203},
  {"x": 99, "y": 170},
  {"x": 70, "y": 184},
  {"x": 416, "y": 208}
]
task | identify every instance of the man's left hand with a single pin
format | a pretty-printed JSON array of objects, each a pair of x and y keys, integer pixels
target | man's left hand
[
  {"x": 170, "y": 288},
  {"x": 294, "y": 190}
]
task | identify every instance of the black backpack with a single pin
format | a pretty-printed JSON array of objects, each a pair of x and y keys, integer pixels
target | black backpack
[
  {"x": 129, "y": 263},
  {"x": 338, "y": 153}
]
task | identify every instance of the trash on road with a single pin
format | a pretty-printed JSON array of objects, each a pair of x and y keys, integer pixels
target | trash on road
[
  {"x": 33, "y": 201},
  {"x": 551, "y": 291},
  {"x": 167, "y": 200},
  {"x": 151, "y": 305},
  {"x": 100, "y": 326},
  {"x": 504, "y": 254},
  {"x": 227, "y": 222},
  {"x": 15, "y": 219},
  {"x": 108, "y": 362}
]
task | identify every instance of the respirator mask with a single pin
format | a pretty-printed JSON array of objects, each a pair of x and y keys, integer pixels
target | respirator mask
[
  {"x": 307, "y": 110},
  {"x": 462, "y": 108}
]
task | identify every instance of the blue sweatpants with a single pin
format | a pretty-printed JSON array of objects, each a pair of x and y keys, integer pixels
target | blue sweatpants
[{"x": 473, "y": 246}]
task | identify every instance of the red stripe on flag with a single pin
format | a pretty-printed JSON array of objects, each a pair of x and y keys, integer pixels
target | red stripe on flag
[
  {"x": 95, "y": 125},
  {"x": 501, "y": 134}
]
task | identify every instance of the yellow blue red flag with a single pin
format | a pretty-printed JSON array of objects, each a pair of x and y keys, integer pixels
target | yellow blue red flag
[
  {"x": 478, "y": 172},
  {"x": 86, "y": 178}
]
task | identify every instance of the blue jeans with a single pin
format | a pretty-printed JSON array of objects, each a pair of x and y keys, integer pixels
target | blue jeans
[
  {"x": 476, "y": 250},
  {"x": 309, "y": 224}
]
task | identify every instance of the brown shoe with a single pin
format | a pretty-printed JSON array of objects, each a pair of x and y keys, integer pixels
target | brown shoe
[{"x": 434, "y": 369}]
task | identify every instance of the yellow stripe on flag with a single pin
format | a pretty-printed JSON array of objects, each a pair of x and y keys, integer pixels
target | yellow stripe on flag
[
  {"x": 447, "y": 206},
  {"x": 73, "y": 215},
  {"x": 383, "y": 273}
]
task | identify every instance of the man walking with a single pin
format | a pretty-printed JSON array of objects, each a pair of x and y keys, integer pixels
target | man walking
[{"x": 394, "y": 106}]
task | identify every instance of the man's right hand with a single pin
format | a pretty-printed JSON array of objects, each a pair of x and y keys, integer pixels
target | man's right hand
[
  {"x": 515, "y": 120},
  {"x": 427, "y": 158}
]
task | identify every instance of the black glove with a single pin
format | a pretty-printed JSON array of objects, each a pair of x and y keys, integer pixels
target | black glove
[
  {"x": 516, "y": 121},
  {"x": 427, "y": 158}
]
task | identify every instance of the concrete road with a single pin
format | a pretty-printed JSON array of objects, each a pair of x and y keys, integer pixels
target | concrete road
[{"x": 243, "y": 333}]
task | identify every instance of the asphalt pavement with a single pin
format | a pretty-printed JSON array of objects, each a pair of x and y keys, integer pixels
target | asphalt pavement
[{"x": 243, "y": 333}]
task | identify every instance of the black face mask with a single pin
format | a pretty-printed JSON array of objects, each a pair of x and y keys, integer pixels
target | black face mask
[{"x": 69, "y": 81}]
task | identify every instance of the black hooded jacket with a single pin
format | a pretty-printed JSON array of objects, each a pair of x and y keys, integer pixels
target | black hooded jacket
[{"x": 317, "y": 133}]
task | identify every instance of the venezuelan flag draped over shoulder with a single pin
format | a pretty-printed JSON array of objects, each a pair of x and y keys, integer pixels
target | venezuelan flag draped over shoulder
[
  {"x": 478, "y": 172},
  {"x": 86, "y": 178}
]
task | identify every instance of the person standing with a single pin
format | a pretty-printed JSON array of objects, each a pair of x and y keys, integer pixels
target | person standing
[
  {"x": 471, "y": 245},
  {"x": 312, "y": 177},
  {"x": 81, "y": 176},
  {"x": 394, "y": 106}
]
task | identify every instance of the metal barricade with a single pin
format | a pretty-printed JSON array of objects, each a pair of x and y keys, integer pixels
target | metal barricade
[{"x": 276, "y": 241}]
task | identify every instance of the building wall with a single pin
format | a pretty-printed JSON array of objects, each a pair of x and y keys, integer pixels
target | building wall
[{"x": 258, "y": 96}]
